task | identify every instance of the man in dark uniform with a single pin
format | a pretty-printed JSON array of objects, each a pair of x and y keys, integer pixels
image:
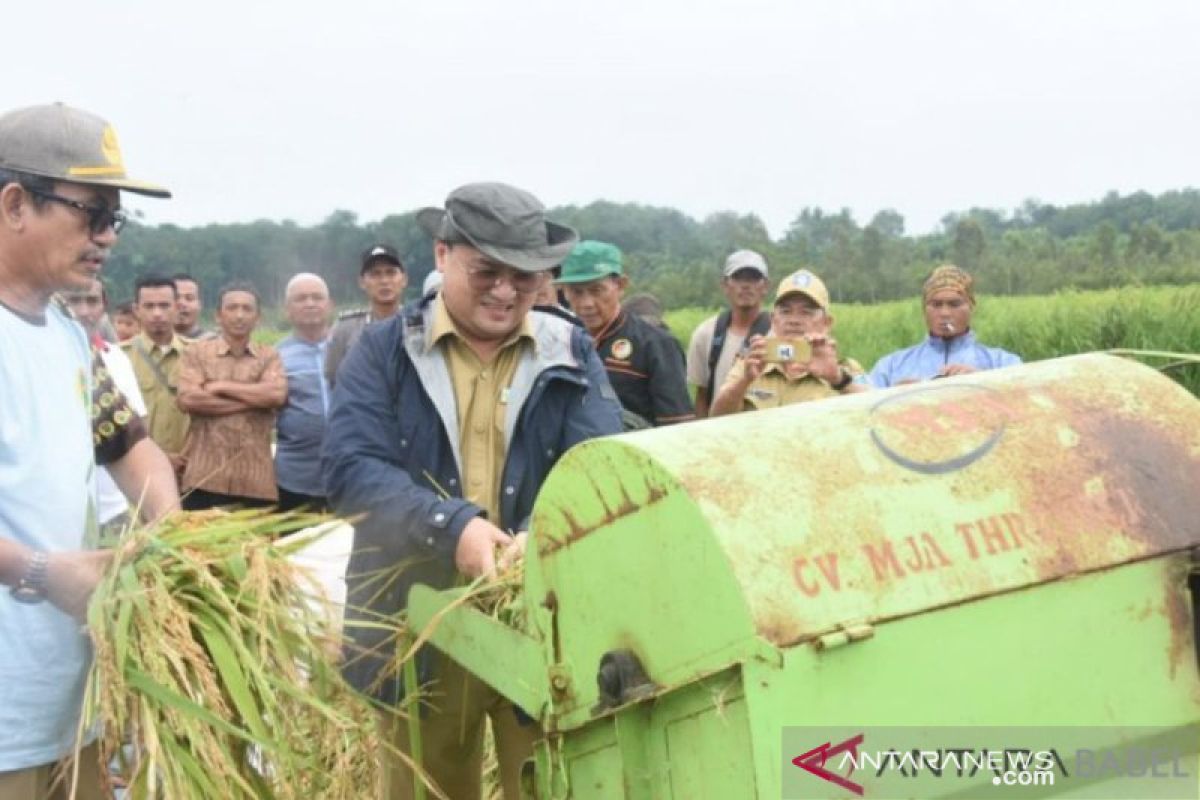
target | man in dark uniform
[
  {"x": 645, "y": 364},
  {"x": 383, "y": 278}
]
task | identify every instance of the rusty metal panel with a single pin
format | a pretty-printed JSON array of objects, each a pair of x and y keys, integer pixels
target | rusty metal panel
[{"x": 890, "y": 503}]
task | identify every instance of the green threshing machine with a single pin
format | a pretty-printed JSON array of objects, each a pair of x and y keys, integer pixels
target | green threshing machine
[{"x": 1009, "y": 548}]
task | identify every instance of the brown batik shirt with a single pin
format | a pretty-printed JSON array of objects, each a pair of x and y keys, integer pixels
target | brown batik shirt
[{"x": 230, "y": 454}]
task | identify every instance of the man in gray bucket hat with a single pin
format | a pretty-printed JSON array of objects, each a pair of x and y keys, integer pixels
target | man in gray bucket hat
[
  {"x": 444, "y": 423},
  {"x": 61, "y": 175}
]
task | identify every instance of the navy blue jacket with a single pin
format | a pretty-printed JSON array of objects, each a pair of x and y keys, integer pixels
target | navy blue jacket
[{"x": 392, "y": 454}]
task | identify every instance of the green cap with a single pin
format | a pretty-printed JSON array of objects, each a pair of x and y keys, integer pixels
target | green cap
[
  {"x": 591, "y": 261},
  {"x": 66, "y": 144}
]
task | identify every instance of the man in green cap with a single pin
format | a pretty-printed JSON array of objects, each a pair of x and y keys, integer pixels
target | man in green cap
[
  {"x": 61, "y": 176},
  {"x": 644, "y": 362},
  {"x": 444, "y": 422}
]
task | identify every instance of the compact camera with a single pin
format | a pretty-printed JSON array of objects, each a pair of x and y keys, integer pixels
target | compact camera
[{"x": 781, "y": 351}]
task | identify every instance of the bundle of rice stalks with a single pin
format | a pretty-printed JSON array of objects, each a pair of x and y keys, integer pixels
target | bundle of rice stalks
[{"x": 214, "y": 664}]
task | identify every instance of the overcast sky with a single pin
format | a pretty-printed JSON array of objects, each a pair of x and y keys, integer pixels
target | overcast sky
[{"x": 289, "y": 110}]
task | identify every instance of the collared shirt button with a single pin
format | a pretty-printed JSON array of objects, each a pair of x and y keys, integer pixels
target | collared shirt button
[
  {"x": 509, "y": 490},
  {"x": 404, "y": 442},
  {"x": 453, "y": 481},
  {"x": 550, "y": 452}
]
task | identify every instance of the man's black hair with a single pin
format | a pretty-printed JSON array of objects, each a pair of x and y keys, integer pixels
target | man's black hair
[
  {"x": 153, "y": 282},
  {"x": 239, "y": 286},
  {"x": 30, "y": 183}
]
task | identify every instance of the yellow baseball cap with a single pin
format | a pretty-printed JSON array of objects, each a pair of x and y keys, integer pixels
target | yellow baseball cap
[
  {"x": 803, "y": 282},
  {"x": 66, "y": 144}
]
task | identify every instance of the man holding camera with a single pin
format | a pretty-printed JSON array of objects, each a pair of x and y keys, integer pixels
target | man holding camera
[{"x": 798, "y": 361}]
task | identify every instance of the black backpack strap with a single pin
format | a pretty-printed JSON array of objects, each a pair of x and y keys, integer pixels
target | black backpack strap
[
  {"x": 760, "y": 327},
  {"x": 720, "y": 329}
]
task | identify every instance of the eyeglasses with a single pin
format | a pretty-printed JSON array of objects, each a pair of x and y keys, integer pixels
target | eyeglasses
[
  {"x": 484, "y": 279},
  {"x": 100, "y": 218}
]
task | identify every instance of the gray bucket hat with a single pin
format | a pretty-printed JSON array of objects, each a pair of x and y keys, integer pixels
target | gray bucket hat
[
  {"x": 66, "y": 144},
  {"x": 502, "y": 222}
]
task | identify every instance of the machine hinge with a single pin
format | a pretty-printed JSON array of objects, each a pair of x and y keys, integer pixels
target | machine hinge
[{"x": 844, "y": 635}]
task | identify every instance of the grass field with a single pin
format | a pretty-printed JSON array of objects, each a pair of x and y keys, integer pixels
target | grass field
[
  {"x": 1158, "y": 318},
  {"x": 1161, "y": 318}
]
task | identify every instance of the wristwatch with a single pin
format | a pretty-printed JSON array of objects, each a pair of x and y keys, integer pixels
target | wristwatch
[
  {"x": 31, "y": 588},
  {"x": 843, "y": 381}
]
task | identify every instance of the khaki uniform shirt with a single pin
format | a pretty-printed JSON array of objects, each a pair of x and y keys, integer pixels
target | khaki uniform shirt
[
  {"x": 481, "y": 397},
  {"x": 778, "y": 386},
  {"x": 230, "y": 454},
  {"x": 166, "y": 424}
]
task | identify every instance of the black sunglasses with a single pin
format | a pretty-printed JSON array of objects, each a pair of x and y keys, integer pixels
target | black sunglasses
[{"x": 100, "y": 218}]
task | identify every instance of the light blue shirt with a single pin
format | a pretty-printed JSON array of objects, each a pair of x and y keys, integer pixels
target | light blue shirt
[
  {"x": 925, "y": 360},
  {"x": 300, "y": 429},
  {"x": 47, "y": 502}
]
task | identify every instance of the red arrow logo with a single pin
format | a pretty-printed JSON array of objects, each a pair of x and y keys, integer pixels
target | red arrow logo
[{"x": 814, "y": 762}]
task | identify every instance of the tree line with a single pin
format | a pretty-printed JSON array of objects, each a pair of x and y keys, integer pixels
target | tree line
[{"x": 1138, "y": 238}]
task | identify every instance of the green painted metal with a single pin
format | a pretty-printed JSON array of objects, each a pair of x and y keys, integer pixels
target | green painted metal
[
  {"x": 1002, "y": 548},
  {"x": 475, "y": 639}
]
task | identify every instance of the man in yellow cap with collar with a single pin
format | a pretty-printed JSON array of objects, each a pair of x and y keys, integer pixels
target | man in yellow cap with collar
[
  {"x": 801, "y": 314},
  {"x": 950, "y": 348}
]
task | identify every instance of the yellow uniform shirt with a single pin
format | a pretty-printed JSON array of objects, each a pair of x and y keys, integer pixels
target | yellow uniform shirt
[
  {"x": 166, "y": 424},
  {"x": 779, "y": 386},
  {"x": 481, "y": 397}
]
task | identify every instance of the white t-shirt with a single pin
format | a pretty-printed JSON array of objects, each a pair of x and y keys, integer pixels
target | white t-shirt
[
  {"x": 111, "y": 501},
  {"x": 697, "y": 358},
  {"x": 47, "y": 501}
]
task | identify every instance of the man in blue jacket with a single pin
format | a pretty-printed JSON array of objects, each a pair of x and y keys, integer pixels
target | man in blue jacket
[
  {"x": 445, "y": 421},
  {"x": 951, "y": 347}
]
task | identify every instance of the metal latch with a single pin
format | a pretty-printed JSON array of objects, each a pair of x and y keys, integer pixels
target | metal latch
[{"x": 844, "y": 635}]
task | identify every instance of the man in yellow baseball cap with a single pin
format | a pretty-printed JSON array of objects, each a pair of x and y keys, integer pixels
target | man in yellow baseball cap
[
  {"x": 798, "y": 361},
  {"x": 61, "y": 175}
]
